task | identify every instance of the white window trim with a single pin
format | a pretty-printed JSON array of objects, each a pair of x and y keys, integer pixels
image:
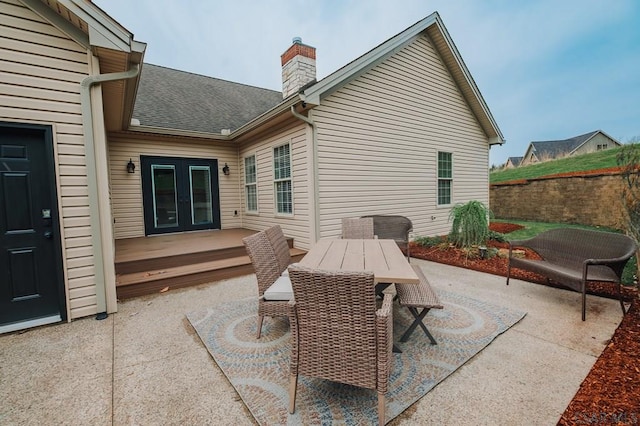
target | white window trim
[
  {"x": 438, "y": 180},
  {"x": 244, "y": 172},
  {"x": 275, "y": 181}
]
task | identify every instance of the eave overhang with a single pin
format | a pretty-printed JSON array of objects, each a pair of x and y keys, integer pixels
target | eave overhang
[{"x": 112, "y": 44}]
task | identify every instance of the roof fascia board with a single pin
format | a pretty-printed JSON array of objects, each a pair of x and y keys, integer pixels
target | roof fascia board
[
  {"x": 585, "y": 141},
  {"x": 580, "y": 146},
  {"x": 612, "y": 139},
  {"x": 467, "y": 75},
  {"x": 177, "y": 132},
  {"x": 593, "y": 135},
  {"x": 283, "y": 106},
  {"x": 75, "y": 33},
  {"x": 496, "y": 140},
  {"x": 314, "y": 94},
  {"x": 103, "y": 30}
]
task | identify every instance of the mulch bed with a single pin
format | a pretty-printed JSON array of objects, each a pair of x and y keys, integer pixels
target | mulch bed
[{"x": 610, "y": 394}]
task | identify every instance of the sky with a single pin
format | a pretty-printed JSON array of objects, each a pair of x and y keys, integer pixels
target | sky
[{"x": 547, "y": 69}]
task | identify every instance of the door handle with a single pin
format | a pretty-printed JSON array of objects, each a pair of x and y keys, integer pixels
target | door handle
[{"x": 48, "y": 235}]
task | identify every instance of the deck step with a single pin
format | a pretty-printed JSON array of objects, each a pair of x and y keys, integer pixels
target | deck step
[
  {"x": 151, "y": 261},
  {"x": 139, "y": 283},
  {"x": 177, "y": 260}
]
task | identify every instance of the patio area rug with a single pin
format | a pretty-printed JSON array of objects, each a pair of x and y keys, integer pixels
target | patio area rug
[{"x": 259, "y": 369}]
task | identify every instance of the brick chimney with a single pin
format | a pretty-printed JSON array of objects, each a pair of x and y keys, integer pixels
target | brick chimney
[{"x": 298, "y": 67}]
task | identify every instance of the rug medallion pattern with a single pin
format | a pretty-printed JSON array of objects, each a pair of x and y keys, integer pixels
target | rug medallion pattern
[{"x": 259, "y": 369}]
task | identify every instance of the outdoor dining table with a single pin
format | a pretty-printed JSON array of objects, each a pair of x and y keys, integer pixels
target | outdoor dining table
[{"x": 382, "y": 257}]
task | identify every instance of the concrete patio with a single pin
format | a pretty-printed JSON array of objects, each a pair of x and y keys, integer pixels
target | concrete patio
[{"x": 146, "y": 366}]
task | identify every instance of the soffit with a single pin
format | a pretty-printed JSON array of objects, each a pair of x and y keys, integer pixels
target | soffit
[{"x": 114, "y": 47}]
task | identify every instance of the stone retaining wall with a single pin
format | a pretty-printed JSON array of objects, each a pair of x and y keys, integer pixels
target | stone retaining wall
[{"x": 594, "y": 200}]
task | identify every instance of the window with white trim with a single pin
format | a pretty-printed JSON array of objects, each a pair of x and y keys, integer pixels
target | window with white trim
[
  {"x": 250, "y": 184},
  {"x": 282, "y": 179},
  {"x": 445, "y": 177}
]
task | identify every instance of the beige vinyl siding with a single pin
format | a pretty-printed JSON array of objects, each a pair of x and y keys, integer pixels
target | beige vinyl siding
[
  {"x": 126, "y": 188},
  {"x": 298, "y": 225},
  {"x": 378, "y": 138},
  {"x": 40, "y": 74}
]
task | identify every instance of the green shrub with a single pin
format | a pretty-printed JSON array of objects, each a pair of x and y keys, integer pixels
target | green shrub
[
  {"x": 470, "y": 224},
  {"x": 629, "y": 277},
  {"x": 497, "y": 236},
  {"x": 492, "y": 252},
  {"x": 428, "y": 241}
]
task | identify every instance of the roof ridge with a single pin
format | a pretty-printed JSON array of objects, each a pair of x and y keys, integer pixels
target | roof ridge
[{"x": 568, "y": 139}]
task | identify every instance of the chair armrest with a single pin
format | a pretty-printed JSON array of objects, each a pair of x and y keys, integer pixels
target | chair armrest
[
  {"x": 384, "y": 328},
  {"x": 519, "y": 243},
  {"x": 612, "y": 260},
  {"x": 615, "y": 263},
  {"x": 533, "y": 243},
  {"x": 293, "y": 326},
  {"x": 386, "y": 308}
]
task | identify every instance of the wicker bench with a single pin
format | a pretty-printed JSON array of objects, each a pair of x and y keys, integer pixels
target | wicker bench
[
  {"x": 419, "y": 299},
  {"x": 572, "y": 257}
]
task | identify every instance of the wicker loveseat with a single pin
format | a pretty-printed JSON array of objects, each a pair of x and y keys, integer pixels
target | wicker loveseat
[{"x": 572, "y": 257}]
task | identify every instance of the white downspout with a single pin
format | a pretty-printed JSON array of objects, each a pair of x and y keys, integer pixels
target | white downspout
[
  {"x": 314, "y": 160},
  {"x": 92, "y": 178}
]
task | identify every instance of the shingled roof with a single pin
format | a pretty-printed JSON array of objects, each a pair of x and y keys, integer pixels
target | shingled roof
[
  {"x": 515, "y": 161},
  {"x": 173, "y": 99},
  {"x": 552, "y": 149}
]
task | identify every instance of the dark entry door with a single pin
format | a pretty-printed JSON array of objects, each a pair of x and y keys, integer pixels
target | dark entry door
[
  {"x": 179, "y": 194},
  {"x": 31, "y": 285}
]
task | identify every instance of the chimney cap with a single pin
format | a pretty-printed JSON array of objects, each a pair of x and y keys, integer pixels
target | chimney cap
[{"x": 297, "y": 40}]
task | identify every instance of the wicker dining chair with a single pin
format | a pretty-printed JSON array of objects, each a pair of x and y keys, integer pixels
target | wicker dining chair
[
  {"x": 274, "y": 290},
  {"x": 393, "y": 228},
  {"x": 337, "y": 333},
  {"x": 357, "y": 228},
  {"x": 280, "y": 247}
]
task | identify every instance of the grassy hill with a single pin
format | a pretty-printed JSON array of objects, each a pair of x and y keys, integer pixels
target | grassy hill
[{"x": 593, "y": 161}]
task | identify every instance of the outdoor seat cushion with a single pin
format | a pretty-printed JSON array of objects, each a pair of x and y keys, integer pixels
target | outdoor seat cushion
[{"x": 280, "y": 290}]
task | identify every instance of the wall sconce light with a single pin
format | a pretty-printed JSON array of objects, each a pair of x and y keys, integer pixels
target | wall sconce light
[
  {"x": 225, "y": 169},
  {"x": 130, "y": 166}
]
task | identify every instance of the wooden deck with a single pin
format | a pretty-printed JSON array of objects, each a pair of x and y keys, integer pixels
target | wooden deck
[{"x": 147, "y": 265}]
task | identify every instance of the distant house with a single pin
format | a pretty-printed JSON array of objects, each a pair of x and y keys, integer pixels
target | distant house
[
  {"x": 98, "y": 146},
  {"x": 548, "y": 150},
  {"x": 513, "y": 162}
]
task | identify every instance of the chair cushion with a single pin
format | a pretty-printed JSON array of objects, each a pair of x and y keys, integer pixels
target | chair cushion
[{"x": 279, "y": 290}]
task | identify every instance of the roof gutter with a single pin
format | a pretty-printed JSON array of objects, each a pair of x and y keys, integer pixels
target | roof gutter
[
  {"x": 92, "y": 178},
  {"x": 265, "y": 117},
  {"x": 165, "y": 131},
  {"x": 314, "y": 167}
]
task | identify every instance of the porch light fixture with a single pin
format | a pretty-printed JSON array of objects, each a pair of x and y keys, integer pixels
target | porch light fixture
[
  {"x": 225, "y": 169},
  {"x": 131, "y": 168}
]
